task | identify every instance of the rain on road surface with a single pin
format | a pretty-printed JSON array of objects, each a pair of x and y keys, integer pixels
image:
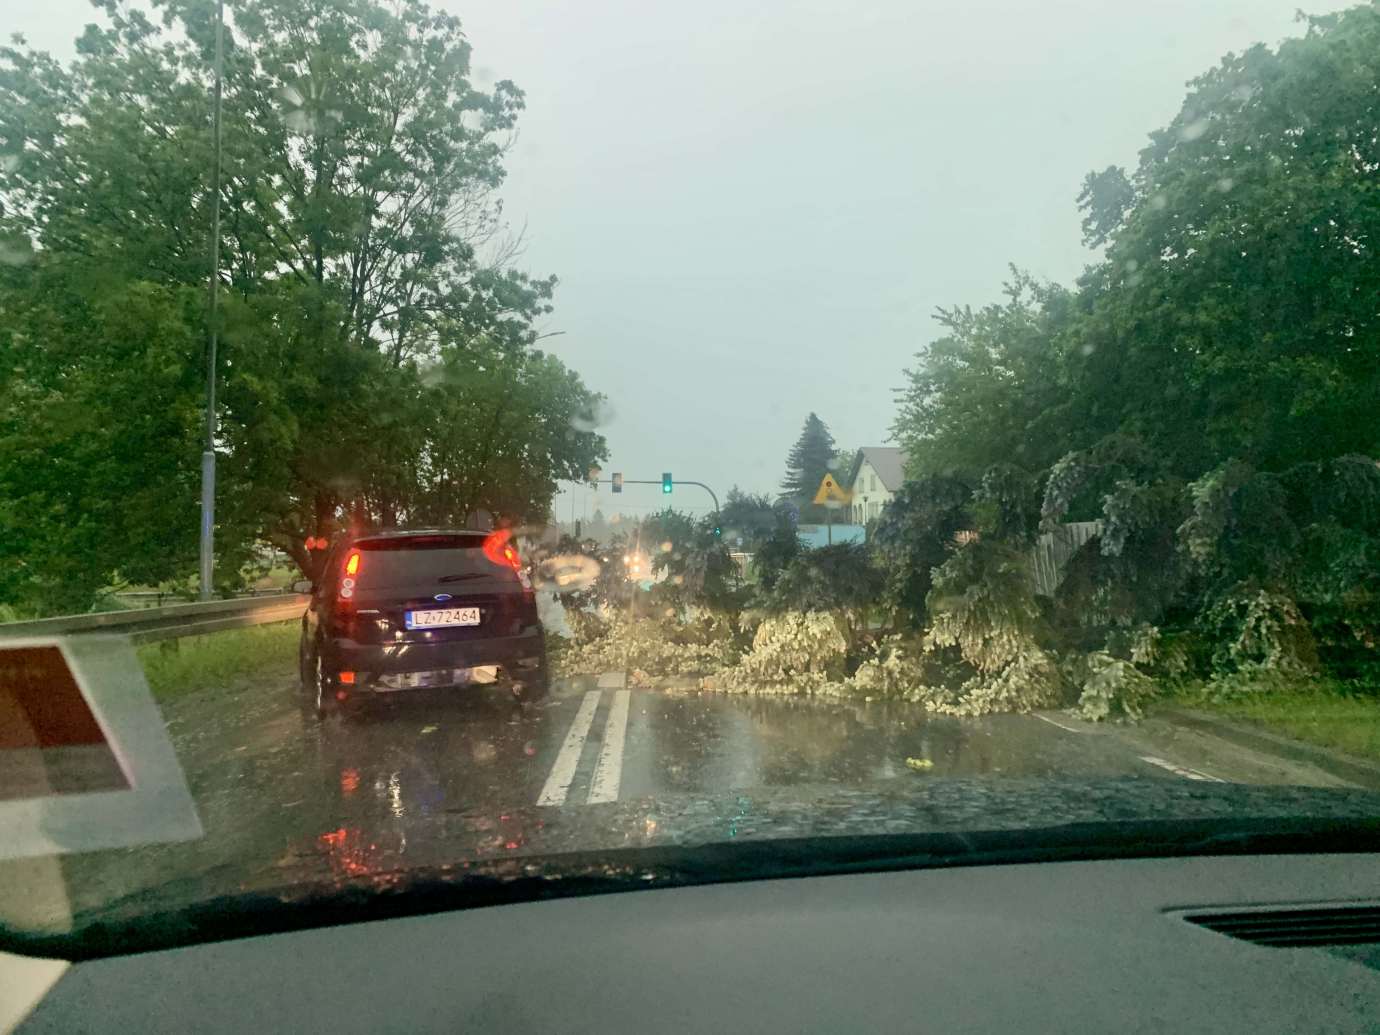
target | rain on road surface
[{"x": 431, "y": 777}]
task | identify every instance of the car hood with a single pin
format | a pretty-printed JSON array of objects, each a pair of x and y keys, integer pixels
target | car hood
[{"x": 459, "y": 860}]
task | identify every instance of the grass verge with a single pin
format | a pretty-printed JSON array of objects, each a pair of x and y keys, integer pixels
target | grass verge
[
  {"x": 1319, "y": 711},
  {"x": 194, "y": 662}
]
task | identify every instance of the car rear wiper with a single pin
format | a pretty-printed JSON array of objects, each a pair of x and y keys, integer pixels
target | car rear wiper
[{"x": 462, "y": 577}]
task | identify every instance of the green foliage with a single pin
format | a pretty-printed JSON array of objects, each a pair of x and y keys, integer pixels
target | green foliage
[
  {"x": 987, "y": 392},
  {"x": 748, "y": 516},
  {"x": 644, "y": 647},
  {"x": 378, "y": 360},
  {"x": 1255, "y": 627},
  {"x": 914, "y": 536},
  {"x": 1206, "y": 392},
  {"x": 799, "y": 650},
  {"x": 775, "y": 554},
  {"x": 983, "y": 604},
  {"x": 697, "y": 564},
  {"x": 839, "y": 578},
  {"x": 810, "y": 459},
  {"x": 221, "y": 660},
  {"x": 1112, "y": 688}
]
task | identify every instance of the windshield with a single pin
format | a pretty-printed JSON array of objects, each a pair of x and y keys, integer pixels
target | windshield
[{"x": 444, "y": 440}]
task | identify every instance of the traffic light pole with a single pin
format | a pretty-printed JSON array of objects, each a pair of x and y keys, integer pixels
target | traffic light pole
[{"x": 658, "y": 481}]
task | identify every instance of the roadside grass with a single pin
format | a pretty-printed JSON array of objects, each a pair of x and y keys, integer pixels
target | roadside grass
[
  {"x": 217, "y": 659},
  {"x": 1320, "y": 711}
]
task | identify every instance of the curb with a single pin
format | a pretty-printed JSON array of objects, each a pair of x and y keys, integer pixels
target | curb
[{"x": 1335, "y": 763}]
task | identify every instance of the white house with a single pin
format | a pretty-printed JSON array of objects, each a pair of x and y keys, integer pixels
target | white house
[{"x": 878, "y": 474}]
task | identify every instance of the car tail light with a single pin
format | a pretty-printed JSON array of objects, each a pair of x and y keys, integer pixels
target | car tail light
[
  {"x": 348, "y": 678},
  {"x": 499, "y": 549}
]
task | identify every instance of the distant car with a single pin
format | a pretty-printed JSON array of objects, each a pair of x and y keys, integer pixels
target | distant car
[{"x": 399, "y": 611}]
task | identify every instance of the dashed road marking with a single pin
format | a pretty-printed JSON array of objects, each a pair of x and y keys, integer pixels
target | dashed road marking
[
  {"x": 1178, "y": 770},
  {"x": 557, "y": 784},
  {"x": 608, "y": 773},
  {"x": 1066, "y": 729}
]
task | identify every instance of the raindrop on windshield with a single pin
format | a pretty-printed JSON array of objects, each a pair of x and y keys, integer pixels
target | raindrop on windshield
[
  {"x": 17, "y": 251},
  {"x": 1193, "y": 130},
  {"x": 568, "y": 572},
  {"x": 593, "y": 417}
]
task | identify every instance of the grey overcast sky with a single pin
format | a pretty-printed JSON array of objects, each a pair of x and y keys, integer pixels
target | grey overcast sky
[{"x": 754, "y": 208}]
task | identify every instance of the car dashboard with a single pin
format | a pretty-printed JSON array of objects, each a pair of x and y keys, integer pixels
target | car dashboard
[{"x": 1255, "y": 944}]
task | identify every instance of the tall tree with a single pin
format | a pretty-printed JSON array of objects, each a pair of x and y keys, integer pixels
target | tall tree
[
  {"x": 808, "y": 461},
  {"x": 1206, "y": 392},
  {"x": 378, "y": 351}
]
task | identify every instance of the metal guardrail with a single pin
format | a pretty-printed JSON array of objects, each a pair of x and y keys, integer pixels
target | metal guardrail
[
  {"x": 149, "y": 624},
  {"x": 159, "y": 598}
]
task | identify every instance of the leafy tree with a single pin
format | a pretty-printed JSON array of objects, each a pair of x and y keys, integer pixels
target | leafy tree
[
  {"x": 992, "y": 389},
  {"x": 378, "y": 360},
  {"x": 838, "y": 578},
  {"x": 747, "y": 515},
  {"x": 915, "y": 535},
  {"x": 1204, "y": 392},
  {"x": 775, "y": 553},
  {"x": 697, "y": 564}
]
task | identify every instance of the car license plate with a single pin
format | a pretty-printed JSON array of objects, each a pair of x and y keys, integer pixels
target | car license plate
[{"x": 442, "y": 617}]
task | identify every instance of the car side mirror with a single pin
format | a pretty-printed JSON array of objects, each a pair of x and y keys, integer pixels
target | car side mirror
[{"x": 302, "y": 586}]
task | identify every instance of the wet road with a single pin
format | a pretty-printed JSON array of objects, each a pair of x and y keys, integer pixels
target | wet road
[{"x": 426, "y": 779}]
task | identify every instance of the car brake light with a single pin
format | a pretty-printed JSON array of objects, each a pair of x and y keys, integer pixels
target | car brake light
[
  {"x": 352, "y": 563},
  {"x": 348, "y": 678},
  {"x": 499, "y": 550}
]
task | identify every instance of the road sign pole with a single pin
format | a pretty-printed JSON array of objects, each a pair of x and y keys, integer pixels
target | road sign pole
[{"x": 208, "y": 458}]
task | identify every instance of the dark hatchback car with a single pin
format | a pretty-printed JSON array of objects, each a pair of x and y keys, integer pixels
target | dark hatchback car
[{"x": 400, "y": 611}]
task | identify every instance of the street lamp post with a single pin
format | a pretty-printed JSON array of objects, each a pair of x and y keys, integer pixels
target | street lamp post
[{"x": 208, "y": 456}]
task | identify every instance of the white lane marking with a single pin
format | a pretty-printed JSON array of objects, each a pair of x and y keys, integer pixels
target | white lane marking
[
  {"x": 563, "y": 769},
  {"x": 1066, "y": 729},
  {"x": 1178, "y": 770},
  {"x": 608, "y": 773},
  {"x": 612, "y": 680}
]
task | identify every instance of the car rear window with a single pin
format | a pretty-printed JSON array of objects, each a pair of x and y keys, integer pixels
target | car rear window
[{"x": 424, "y": 561}]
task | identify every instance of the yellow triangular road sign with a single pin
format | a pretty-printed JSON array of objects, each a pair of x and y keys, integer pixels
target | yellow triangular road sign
[{"x": 831, "y": 491}]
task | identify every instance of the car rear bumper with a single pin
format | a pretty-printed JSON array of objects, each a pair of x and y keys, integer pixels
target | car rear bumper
[{"x": 519, "y": 659}]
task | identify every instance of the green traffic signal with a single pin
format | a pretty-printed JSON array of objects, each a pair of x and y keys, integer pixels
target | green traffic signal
[{"x": 666, "y": 483}]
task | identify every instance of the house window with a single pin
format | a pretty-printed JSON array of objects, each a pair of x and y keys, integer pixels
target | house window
[{"x": 874, "y": 483}]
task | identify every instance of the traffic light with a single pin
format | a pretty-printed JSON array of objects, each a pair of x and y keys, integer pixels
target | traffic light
[
  {"x": 718, "y": 531},
  {"x": 617, "y": 481},
  {"x": 666, "y": 483}
]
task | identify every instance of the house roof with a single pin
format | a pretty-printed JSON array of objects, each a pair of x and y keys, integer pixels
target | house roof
[{"x": 888, "y": 461}]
